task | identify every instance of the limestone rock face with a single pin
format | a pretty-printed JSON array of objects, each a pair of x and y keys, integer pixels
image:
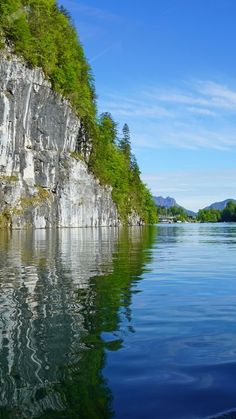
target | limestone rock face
[{"x": 41, "y": 183}]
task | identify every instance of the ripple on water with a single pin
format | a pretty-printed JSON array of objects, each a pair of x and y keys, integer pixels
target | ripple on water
[{"x": 126, "y": 324}]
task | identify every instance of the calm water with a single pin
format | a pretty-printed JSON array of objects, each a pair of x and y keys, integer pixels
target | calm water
[{"x": 103, "y": 323}]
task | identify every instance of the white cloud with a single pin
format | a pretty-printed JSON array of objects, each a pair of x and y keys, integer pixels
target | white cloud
[
  {"x": 198, "y": 116},
  {"x": 134, "y": 107},
  {"x": 201, "y": 111},
  {"x": 221, "y": 96},
  {"x": 208, "y": 94},
  {"x": 178, "y": 98},
  {"x": 185, "y": 136}
]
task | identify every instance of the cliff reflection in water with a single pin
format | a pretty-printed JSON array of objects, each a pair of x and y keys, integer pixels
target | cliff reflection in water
[{"x": 62, "y": 297}]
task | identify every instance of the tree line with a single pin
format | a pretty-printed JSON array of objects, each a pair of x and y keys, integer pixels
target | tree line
[
  {"x": 176, "y": 212},
  {"x": 207, "y": 215},
  {"x": 211, "y": 215}
]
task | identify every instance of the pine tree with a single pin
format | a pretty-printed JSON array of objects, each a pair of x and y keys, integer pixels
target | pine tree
[
  {"x": 65, "y": 12},
  {"x": 108, "y": 128},
  {"x": 134, "y": 165},
  {"x": 125, "y": 144}
]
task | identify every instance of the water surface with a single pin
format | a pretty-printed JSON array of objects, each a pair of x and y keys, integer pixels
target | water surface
[{"x": 109, "y": 323}]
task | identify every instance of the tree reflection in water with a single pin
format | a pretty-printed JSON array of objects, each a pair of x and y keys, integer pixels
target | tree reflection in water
[{"x": 62, "y": 299}]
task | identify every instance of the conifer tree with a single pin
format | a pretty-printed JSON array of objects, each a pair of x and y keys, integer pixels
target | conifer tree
[
  {"x": 134, "y": 166},
  {"x": 125, "y": 144},
  {"x": 108, "y": 127}
]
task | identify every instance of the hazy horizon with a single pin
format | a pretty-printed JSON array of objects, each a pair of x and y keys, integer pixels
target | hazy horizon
[{"x": 179, "y": 203}]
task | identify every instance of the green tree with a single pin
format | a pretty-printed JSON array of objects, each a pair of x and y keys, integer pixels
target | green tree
[
  {"x": 229, "y": 213},
  {"x": 210, "y": 215},
  {"x": 43, "y": 34},
  {"x": 108, "y": 128},
  {"x": 125, "y": 143},
  {"x": 134, "y": 165}
]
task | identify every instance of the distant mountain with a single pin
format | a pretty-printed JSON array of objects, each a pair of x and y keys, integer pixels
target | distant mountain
[
  {"x": 170, "y": 202},
  {"x": 220, "y": 205},
  {"x": 165, "y": 202}
]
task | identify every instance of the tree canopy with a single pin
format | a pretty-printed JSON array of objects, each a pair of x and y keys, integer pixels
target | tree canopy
[
  {"x": 177, "y": 212},
  {"x": 44, "y": 35},
  {"x": 229, "y": 213},
  {"x": 212, "y": 215},
  {"x": 113, "y": 166}
]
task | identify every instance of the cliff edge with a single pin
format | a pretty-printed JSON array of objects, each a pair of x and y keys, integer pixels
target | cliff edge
[
  {"x": 41, "y": 183},
  {"x": 61, "y": 164}
]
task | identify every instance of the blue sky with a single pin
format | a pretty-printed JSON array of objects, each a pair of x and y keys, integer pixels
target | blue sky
[{"x": 168, "y": 69}]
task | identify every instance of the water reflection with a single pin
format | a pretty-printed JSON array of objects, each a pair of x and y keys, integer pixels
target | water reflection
[{"x": 63, "y": 295}]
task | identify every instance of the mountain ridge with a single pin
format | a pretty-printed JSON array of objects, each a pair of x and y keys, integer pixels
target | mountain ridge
[
  {"x": 170, "y": 202},
  {"x": 220, "y": 205}
]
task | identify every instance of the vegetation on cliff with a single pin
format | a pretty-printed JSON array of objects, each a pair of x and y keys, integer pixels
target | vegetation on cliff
[
  {"x": 114, "y": 164},
  {"x": 44, "y": 35}
]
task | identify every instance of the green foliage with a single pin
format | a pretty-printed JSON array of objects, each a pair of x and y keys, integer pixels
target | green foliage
[
  {"x": 209, "y": 215},
  {"x": 213, "y": 215},
  {"x": 11, "y": 178},
  {"x": 229, "y": 213},
  {"x": 38, "y": 199},
  {"x": 45, "y": 37},
  {"x": 43, "y": 34},
  {"x": 5, "y": 218},
  {"x": 77, "y": 156},
  {"x": 114, "y": 167},
  {"x": 124, "y": 143},
  {"x": 178, "y": 213},
  {"x": 35, "y": 200}
]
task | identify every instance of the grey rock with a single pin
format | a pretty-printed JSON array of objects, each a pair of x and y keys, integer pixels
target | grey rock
[
  {"x": 171, "y": 202},
  {"x": 41, "y": 184}
]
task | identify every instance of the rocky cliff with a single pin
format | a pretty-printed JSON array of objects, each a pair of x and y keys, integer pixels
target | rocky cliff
[{"x": 43, "y": 182}]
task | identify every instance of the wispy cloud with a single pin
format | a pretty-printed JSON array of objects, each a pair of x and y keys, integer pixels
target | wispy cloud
[
  {"x": 133, "y": 107},
  {"x": 200, "y": 115},
  {"x": 179, "y": 98},
  {"x": 221, "y": 96},
  {"x": 185, "y": 139},
  {"x": 200, "y": 111},
  {"x": 207, "y": 94}
]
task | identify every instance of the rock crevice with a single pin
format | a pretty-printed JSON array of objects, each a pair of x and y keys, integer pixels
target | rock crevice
[{"x": 42, "y": 184}]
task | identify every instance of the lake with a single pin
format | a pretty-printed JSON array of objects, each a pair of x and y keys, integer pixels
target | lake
[{"x": 131, "y": 323}]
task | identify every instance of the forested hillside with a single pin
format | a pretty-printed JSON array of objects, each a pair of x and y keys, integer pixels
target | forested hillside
[
  {"x": 44, "y": 35},
  {"x": 213, "y": 215}
]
